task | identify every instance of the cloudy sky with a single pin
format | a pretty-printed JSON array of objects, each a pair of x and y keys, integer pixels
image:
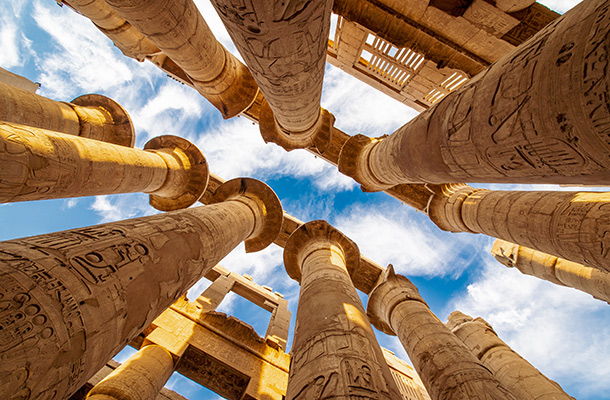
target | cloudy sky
[{"x": 563, "y": 332}]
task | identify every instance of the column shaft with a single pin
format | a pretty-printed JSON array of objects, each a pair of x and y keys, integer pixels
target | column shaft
[
  {"x": 570, "y": 225},
  {"x": 290, "y": 69},
  {"x": 518, "y": 375},
  {"x": 334, "y": 353},
  {"x": 447, "y": 368},
  {"x": 92, "y": 116},
  {"x": 141, "y": 377},
  {"x": 39, "y": 164},
  {"x": 179, "y": 30},
  {"x": 537, "y": 113},
  {"x": 553, "y": 269},
  {"x": 73, "y": 299}
]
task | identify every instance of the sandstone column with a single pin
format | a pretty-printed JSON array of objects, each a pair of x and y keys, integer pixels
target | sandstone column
[
  {"x": 124, "y": 36},
  {"x": 447, "y": 368},
  {"x": 178, "y": 29},
  {"x": 37, "y": 164},
  {"x": 570, "y": 225},
  {"x": 514, "y": 372},
  {"x": 284, "y": 44},
  {"x": 553, "y": 269},
  {"x": 141, "y": 377},
  {"x": 73, "y": 299},
  {"x": 92, "y": 116},
  {"x": 536, "y": 114},
  {"x": 334, "y": 353}
]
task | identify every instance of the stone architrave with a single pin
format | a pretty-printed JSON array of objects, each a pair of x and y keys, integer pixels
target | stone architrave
[
  {"x": 92, "y": 116},
  {"x": 36, "y": 164},
  {"x": 215, "y": 293},
  {"x": 179, "y": 30},
  {"x": 536, "y": 114},
  {"x": 571, "y": 225},
  {"x": 124, "y": 36},
  {"x": 334, "y": 353},
  {"x": 553, "y": 269},
  {"x": 512, "y": 370},
  {"x": 72, "y": 299},
  {"x": 284, "y": 45},
  {"x": 447, "y": 368},
  {"x": 141, "y": 377}
]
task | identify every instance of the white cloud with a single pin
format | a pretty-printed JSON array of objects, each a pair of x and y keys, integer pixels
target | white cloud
[
  {"x": 392, "y": 235},
  {"x": 70, "y": 203},
  {"x": 124, "y": 206},
  {"x": 9, "y": 56},
  {"x": 561, "y": 6},
  {"x": 561, "y": 331},
  {"x": 84, "y": 60},
  {"x": 235, "y": 148}
]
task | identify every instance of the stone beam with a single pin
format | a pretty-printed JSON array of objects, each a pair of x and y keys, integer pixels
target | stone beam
[
  {"x": 447, "y": 368},
  {"x": 536, "y": 114},
  {"x": 18, "y": 81},
  {"x": 92, "y": 116},
  {"x": 179, "y": 30},
  {"x": 512, "y": 370},
  {"x": 128, "y": 39},
  {"x": 334, "y": 353},
  {"x": 38, "y": 164},
  {"x": 82, "y": 294},
  {"x": 553, "y": 269},
  {"x": 141, "y": 377}
]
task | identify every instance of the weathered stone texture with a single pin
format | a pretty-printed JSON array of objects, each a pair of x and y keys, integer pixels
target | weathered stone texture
[
  {"x": 512, "y": 370},
  {"x": 447, "y": 368},
  {"x": 334, "y": 353}
]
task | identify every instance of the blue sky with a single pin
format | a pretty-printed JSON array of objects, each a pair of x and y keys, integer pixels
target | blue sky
[{"x": 563, "y": 332}]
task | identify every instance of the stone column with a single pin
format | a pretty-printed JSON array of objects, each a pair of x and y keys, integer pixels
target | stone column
[
  {"x": 73, "y": 299},
  {"x": 178, "y": 29},
  {"x": 124, "y": 36},
  {"x": 141, "y": 377},
  {"x": 536, "y": 114},
  {"x": 553, "y": 269},
  {"x": 570, "y": 225},
  {"x": 37, "y": 164},
  {"x": 447, "y": 368},
  {"x": 284, "y": 45},
  {"x": 334, "y": 353},
  {"x": 92, "y": 116},
  {"x": 514, "y": 372},
  {"x": 211, "y": 298}
]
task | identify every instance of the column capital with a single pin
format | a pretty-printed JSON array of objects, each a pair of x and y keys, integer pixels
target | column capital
[
  {"x": 179, "y": 191},
  {"x": 445, "y": 206},
  {"x": 299, "y": 246},
  {"x": 120, "y": 131},
  {"x": 268, "y": 203},
  {"x": 318, "y": 136},
  {"x": 464, "y": 326},
  {"x": 354, "y": 162},
  {"x": 392, "y": 290}
]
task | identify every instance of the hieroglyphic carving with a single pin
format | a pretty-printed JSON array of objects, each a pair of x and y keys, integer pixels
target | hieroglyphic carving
[
  {"x": 284, "y": 45},
  {"x": 213, "y": 374},
  {"x": 99, "y": 287}
]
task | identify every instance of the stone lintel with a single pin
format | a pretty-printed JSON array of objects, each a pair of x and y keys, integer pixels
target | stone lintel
[{"x": 315, "y": 235}]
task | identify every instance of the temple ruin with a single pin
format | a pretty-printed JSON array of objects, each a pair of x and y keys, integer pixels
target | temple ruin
[{"x": 483, "y": 75}]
